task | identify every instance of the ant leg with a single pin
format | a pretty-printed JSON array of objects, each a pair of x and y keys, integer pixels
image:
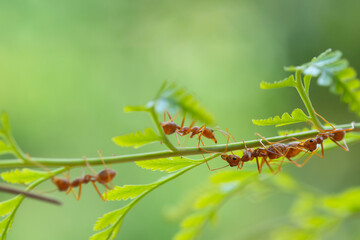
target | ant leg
[
  {"x": 345, "y": 148},
  {"x": 214, "y": 169},
  {"x": 183, "y": 121},
  {"x": 267, "y": 163},
  {"x": 307, "y": 159},
  {"x": 270, "y": 143},
  {"x": 324, "y": 120},
  {"x": 240, "y": 167},
  {"x": 167, "y": 112},
  {"x": 177, "y": 138},
  {"x": 88, "y": 165},
  {"x": 172, "y": 119},
  {"x": 98, "y": 191},
  {"x": 258, "y": 166}
]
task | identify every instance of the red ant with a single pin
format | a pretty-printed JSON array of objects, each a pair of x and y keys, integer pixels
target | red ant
[
  {"x": 103, "y": 177},
  {"x": 249, "y": 154},
  {"x": 292, "y": 149},
  {"x": 170, "y": 128}
]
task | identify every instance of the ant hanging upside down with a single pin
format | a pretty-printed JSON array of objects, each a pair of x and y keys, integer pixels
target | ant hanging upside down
[
  {"x": 277, "y": 150},
  {"x": 103, "y": 177}
]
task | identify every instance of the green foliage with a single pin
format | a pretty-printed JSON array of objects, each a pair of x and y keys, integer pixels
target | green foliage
[
  {"x": 223, "y": 186},
  {"x": 287, "y": 82},
  {"x": 8, "y": 209},
  {"x": 128, "y": 109},
  {"x": 167, "y": 164},
  {"x": 127, "y": 192},
  {"x": 333, "y": 71},
  {"x": 314, "y": 216},
  {"x": 4, "y": 119},
  {"x": 24, "y": 175},
  {"x": 325, "y": 65},
  {"x": 347, "y": 86},
  {"x": 8, "y": 206},
  {"x": 297, "y": 116},
  {"x": 4, "y": 148},
  {"x": 138, "y": 139},
  {"x": 292, "y": 131}
]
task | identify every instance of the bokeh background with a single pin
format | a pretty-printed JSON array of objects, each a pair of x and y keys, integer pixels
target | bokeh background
[{"x": 68, "y": 68}]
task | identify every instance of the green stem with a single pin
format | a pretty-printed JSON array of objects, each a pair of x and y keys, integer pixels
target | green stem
[
  {"x": 220, "y": 148},
  {"x": 305, "y": 98},
  {"x": 15, "y": 147},
  {"x": 165, "y": 140}
]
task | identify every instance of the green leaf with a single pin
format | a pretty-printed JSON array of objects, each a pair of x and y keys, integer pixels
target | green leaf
[
  {"x": 110, "y": 218},
  {"x": 307, "y": 80},
  {"x": 107, "y": 234},
  {"x": 347, "y": 202},
  {"x": 137, "y": 140},
  {"x": 5, "y": 122},
  {"x": 127, "y": 192},
  {"x": 297, "y": 116},
  {"x": 209, "y": 199},
  {"x": 187, "y": 234},
  {"x": 347, "y": 86},
  {"x": 24, "y": 175},
  {"x": 5, "y": 226},
  {"x": 167, "y": 164},
  {"x": 287, "y": 82},
  {"x": 4, "y": 148},
  {"x": 136, "y": 109},
  {"x": 195, "y": 220},
  {"x": 8, "y": 206},
  {"x": 292, "y": 131},
  {"x": 174, "y": 99}
]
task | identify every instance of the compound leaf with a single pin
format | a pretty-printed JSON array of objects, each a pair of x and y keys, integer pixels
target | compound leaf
[
  {"x": 167, "y": 164},
  {"x": 174, "y": 98},
  {"x": 297, "y": 116},
  {"x": 138, "y": 139},
  {"x": 24, "y": 175},
  {"x": 287, "y": 82}
]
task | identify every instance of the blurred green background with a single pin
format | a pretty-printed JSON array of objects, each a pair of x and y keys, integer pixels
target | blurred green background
[{"x": 68, "y": 68}]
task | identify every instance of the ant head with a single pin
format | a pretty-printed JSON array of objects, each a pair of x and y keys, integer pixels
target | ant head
[
  {"x": 233, "y": 160},
  {"x": 310, "y": 144},
  {"x": 106, "y": 175},
  {"x": 61, "y": 183},
  {"x": 338, "y": 136}
]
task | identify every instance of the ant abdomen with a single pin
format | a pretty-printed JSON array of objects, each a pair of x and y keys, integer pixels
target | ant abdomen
[
  {"x": 61, "y": 183},
  {"x": 106, "y": 176},
  {"x": 169, "y": 127},
  {"x": 338, "y": 136}
]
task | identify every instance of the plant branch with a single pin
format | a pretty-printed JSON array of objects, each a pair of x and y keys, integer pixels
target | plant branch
[
  {"x": 56, "y": 162},
  {"x": 305, "y": 98}
]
